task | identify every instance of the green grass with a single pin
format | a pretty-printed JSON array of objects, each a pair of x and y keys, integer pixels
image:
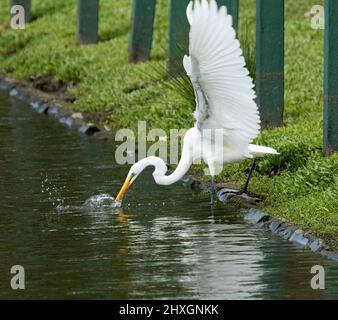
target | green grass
[{"x": 300, "y": 185}]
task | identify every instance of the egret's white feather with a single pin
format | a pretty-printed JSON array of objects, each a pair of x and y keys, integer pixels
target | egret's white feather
[
  {"x": 216, "y": 67},
  {"x": 260, "y": 151},
  {"x": 189, "y": 12}
]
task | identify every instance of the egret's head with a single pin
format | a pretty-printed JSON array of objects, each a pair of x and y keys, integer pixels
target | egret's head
[
  {"x": 133, "y": 173},
  {"x": 137, "y": 168}
]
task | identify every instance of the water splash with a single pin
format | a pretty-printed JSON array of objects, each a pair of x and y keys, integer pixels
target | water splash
[
  {"x": 101, "y": 201},
  {"x": 98, "y": 203},
  {"x": 52, "y": 191}
]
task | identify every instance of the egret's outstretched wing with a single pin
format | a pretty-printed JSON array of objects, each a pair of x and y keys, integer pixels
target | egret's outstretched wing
[{"x": 223, "y": 88}]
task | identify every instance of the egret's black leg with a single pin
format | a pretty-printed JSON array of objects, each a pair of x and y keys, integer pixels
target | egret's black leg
[
  {"x": 212, "y": 190},
  {"x": 245, "y": 188}
]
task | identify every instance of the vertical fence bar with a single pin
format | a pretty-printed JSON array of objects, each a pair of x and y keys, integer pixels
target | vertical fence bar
[
  {"x": 330, "y": 133},
  {"x": 88, "y": 21},
  {"x": 270, "y": 61},
  {"x": 178, "y": 36},
  {"x": 141, "y": 35},
  {"x": 233, "y": 8},
  {"x": 27, "y": 6}
]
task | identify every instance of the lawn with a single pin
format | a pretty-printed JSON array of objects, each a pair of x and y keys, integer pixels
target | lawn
[{"x": 300, "y": 185}]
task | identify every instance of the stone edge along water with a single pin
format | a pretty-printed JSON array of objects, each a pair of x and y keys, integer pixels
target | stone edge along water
[
  {"x": 57, "y": 110},
  {"x": 252, "y": 216}
]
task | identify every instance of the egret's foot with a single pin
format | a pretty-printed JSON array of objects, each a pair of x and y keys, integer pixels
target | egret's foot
[{"x": 243, "y": 191}]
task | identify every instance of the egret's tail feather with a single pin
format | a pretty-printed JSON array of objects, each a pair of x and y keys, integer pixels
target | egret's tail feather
[{"x": 260, "y": 151}]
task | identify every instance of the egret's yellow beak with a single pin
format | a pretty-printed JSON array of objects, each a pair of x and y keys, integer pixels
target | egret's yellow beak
[{"x": 125, "y": 187}]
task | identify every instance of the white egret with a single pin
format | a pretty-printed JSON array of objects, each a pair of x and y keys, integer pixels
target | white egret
[{"x": 224, "y": 101}]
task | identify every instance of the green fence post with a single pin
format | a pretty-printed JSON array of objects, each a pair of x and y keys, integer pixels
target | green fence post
[
  {"x": 270, "y": 61},
  {"x": 141, "y": 35},
  {"x": 233, "y": 8},
  {"x": 27, "y": 6},
  {"x": 87, "y": 21},
  {"x": 330, "y": 133},
  {"x": 178, "y": 36}
]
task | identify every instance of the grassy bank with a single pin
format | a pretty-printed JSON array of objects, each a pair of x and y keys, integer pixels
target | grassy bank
[{"x": 300, "y": 185}]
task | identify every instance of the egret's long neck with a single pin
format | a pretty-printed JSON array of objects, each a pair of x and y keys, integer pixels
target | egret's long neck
[
  {"x": 181, "y": 169},
  {"x": 160, "y": 169},
  {"x": 190, "y": 139}
]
